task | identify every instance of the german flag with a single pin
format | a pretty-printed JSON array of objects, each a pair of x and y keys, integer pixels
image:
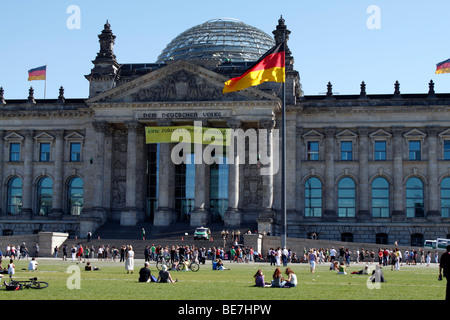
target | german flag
[
  {"x": 443, "y": 67},
  {"x": 37, "y": 73},
  {"x": 270, "y": 67}
]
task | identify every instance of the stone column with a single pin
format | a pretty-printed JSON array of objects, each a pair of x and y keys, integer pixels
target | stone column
[
  {"x": 99, "y": 161},
  {"x": 398, "y": 213},
  {"x": 330, "y": 212},
  {"x": 433, "y": 213},
  {"x": 267, "y": 178},
  {"x": 129, "y": 216},
  {"x": 200, "y": 214},
  {"x": 2, "y": 160},
  {"x": 27, "y": 194},
  {"x": 163, "y": 215},
  {"x": 232, "y": 217},
  {"x": 299, "y": 191},
  {"x": 58, "y": 185},
  {"x": 364, "y": 205}
]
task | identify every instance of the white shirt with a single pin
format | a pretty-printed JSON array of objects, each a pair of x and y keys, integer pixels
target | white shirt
[{"x": 32, "y": 265}]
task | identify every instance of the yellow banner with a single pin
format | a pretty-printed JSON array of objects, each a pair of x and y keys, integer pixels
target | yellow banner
[{"x": 188, "y": 134}]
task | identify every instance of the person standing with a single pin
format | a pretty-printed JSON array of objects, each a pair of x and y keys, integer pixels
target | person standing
[
  {"x": 129, "y": 263},
  {"x": 445, "y": 267}
]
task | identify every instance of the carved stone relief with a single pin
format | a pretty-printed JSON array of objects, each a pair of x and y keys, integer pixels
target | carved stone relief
[{"x": 180, "y": 86}]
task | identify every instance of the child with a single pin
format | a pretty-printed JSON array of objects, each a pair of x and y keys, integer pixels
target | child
[
  {"x": 11, "y": 268},
  {"x": 342, "y": 269}
]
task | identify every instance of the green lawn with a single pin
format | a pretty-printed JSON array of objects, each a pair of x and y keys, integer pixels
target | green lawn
[{"x": 112, "y": 283}]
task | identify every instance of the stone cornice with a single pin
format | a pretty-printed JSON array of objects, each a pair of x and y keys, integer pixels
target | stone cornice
[{"x": 45, "y": 113}]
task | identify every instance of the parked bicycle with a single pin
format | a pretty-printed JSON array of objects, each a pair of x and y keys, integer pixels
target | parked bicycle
[{"x": 27, "y": 284}]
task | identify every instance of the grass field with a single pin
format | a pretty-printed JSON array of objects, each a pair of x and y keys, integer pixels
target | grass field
[{"x": 112, "y": 282}]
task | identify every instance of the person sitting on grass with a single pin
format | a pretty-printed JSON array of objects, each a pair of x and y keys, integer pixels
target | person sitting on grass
[
  {"x": 342, "y": 268},
  {"x": 220, "y": 265},
  {"x": 145, "y": 273},
  {"x": 164, "y": 276},
  {"x": 292, "y": 280},
  {"x": 33, "y": 264},
  {"x": 277, "y": 279},
  {"x": 88, "y": 267}
]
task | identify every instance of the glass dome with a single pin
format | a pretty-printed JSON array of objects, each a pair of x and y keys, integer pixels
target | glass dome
[{"x": 219, "y": 39}]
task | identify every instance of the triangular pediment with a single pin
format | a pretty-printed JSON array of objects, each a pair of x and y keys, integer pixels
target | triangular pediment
[
  {"x": 445, "y": 134},
  {"x": 380, "y": 134},
  {"x": 415, "y": 133},
  {"x": 312, "y": 134},
  {"x": 13, "y": 136},
  {"x": 180, "y": 81},
  {"x": 346, "y": 134}
]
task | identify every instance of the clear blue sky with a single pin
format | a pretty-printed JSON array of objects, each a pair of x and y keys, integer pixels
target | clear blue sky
[{"x": 330, "y": 40}]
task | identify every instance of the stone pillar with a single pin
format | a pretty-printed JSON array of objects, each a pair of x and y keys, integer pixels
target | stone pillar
[
  {"x": 232, "y": 217},
  {"x": 364, "y": 204},
  {"x": 2, "y": 160},
  {"x": 433, "y": 213},
  {"x": 129, "y": 216},
  {"x": 163, "y": 215},
  {"x": 27, "y": 194},
  {"x": 99, "y": 162},
  {"x": 299, "y": 191},
  {"x": 330, "y": 213},
  {"x": 200, "y": 214},
  {"x": 398, "y": 213},
  {"x": 58, "y": 185},
  {"x": 266, "y": 216}
]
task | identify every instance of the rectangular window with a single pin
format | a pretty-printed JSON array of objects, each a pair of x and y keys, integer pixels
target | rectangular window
[
  {"x": 346, "y": 150},
  {"x": 75, "y": 151},
  {"x": 44, "y": 152},
  {"x": 313, "y": 150},
  {"x": 14, "y": 152},
  {"x": 380, "y": 150},
  {"x": 414, "y": 150},
  {"x": 447, "y": 150}
]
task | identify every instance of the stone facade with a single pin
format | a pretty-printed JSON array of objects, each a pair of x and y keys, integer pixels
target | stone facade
[{"x": 362, "y": 137}]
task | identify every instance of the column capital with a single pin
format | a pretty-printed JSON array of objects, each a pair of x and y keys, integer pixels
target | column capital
[
  {"x": 397, "y": 131},
  {"x": 59, "y": 133},
  {"x": 432, "y": 130},
  {"x": 329, "y": 132},
  {"x": 234, "y": 123},
  {"x": 363, "y": 131},
  {"x": 132, "y": 125},
  {"x": 28, "y": 133},
  {"x": 268, "y": 124},
  {"x": 100, "y": 126}
]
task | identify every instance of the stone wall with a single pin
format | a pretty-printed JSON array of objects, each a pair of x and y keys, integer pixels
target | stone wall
[{"x": 47, "y": 242}]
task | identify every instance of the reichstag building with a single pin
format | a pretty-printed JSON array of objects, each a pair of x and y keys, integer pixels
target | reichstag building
[{"x": 362, "y": 168}]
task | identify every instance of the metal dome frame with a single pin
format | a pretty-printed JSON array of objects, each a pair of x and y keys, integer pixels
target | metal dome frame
[{"x": 222, "y": 39}]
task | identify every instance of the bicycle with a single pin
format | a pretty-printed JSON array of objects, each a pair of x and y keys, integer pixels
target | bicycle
[
  {"x": 27, "y": 284},
  {"x": 191, "y": 264},
  {"x": 162, "y": 261}
]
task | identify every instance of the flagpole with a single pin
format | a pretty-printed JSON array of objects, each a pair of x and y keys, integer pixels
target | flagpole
[
  {"x": 45, "y": 83},
  {"x": 283, "y": 157}
]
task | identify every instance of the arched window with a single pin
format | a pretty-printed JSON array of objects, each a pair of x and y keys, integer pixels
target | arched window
[
  {"x": 380, "y": 198},
  {"x": 414, "y": 198},
  {"x": 75, "y": 196},
  {"x": 445, "y": 198},
  {"x": 14, "y": 201},
  {"x": 417, "y": 240},
  {"x": 381, "y": 238},
  {"x": 44, "y": 196},
  {"x": 346, "y": 198},
  {"x": 313, "y": 197}
]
